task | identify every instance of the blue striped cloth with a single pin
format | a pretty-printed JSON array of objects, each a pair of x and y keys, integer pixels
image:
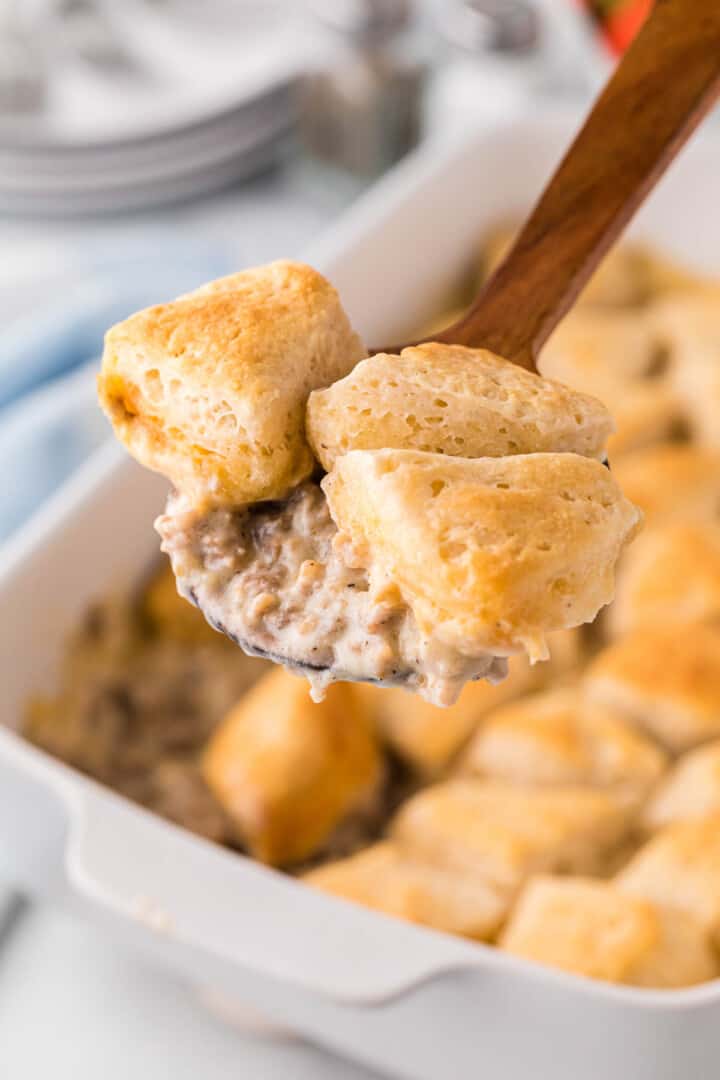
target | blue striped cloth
[{"x": 49, "y": 420}]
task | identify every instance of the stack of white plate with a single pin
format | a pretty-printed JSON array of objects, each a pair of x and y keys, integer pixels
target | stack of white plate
[{"x": 168, "y": 107}]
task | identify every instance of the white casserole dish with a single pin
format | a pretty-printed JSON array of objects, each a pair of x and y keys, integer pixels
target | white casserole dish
[{"x": 406, "y": 1000}]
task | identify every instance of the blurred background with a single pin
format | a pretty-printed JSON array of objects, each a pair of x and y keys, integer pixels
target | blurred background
[{"x": 146, "y": 146}]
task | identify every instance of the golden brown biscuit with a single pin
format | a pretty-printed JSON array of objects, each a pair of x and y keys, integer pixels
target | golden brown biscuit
[
  {"x": 616, "y": 357},
  {"x": 629, "y": 276},
  {"x": 689, "y": 326},
  {"x": 558, "y": 737},
  {"x": 490, "y": 553},
  {"x": 672, "y": 482},
  {"x": 382, "y": 877},
  {"x": 601, "y": 349},
  {"x": 620, "y": 279},
  {"x": 632, "y": 274},
  {"x": 670, "y": 575},
  {"x": 428, "y": 736},
  {"x": 173, "y": 617},
  {"x": 504, "y": 832},
  {"x": 210, "y": 390},
  {"x": 591, "y": 928},
  {"x": 289, "y": 772},
  {"x": 665, "y": 679},
  {"x": 689, "y": 792},
  {"x": 680, "y": 868},
  {"x": 644, "y": 414},
  {"x": 448, "y": 399},
  {"x": 684, "y": 956}
]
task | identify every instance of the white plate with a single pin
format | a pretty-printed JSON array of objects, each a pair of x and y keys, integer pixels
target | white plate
[
  {"x": 183, "y": 74},
  {"x": 108, "y": 195},
  {"x": 402, "y": 999},
  {"x": 267, "y": 112}
]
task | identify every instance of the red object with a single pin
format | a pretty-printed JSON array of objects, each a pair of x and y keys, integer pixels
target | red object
[{"x": 619, "y": 20}]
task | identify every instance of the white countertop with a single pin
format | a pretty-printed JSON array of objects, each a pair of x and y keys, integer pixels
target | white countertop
[{"x": 76, "y": 1006}]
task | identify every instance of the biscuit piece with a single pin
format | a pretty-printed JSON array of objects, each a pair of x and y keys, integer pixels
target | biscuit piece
[
  {"x": 558, "y": 737},
  {"x": 447, "y": 399},
  {"x": 427, "y": 736},
  {"x": 689, "y": 792},
  {"x": 672, "y": 482},
  {"x": 289, "y": 772},
  {"x": 210, "y": 390},
  {"x": 505, "y": 832},
  {"x": 664, "y": 679},
  {"x": 382, "y": 877},
  {"x": 632, "y": 275},
  {"x": 567, "y": 654},
  {"x": 670, "y": 575},
  {"x": 628, "y": 277},
  {"x": 680, "y": 868},
  {"x": 616, "y": 356},
  {"x": 598, "y": 352},
  {"x": 591, "y": 928},
  {"x": 689, "y": 327},
  {"x": 173, "y": 617},
  {"x": 490, "y": 553},
  {"x": 438, "y": 322},
  {"x": 644, "y": 414}
]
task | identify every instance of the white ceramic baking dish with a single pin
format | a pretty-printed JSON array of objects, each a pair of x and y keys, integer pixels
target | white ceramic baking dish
[{"x": 408, "y": 1001}]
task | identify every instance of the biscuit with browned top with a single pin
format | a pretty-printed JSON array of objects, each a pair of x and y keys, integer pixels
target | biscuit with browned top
[
  {"x": 670, "y": 575},
  {"x": 287, "y": 771},
  {"x": 672, "y": 482},
  {"x": 665, "y": 679},
  {"x": 384, "y": 878},
  {"x": 505, "y": 832},
  {"x": 210, "y": 390},
  {"x": 617, "y": 357},
  {"x": 428, "y": 736},
  {"x": 690, "y": 791},
  {"x": 591, "y": 928},
  {"x": 448, "y": 399},
  {"x": 559, "y": 737},
  {"x": 489, "y": 553},
  {"x": 680, "y": 868}
]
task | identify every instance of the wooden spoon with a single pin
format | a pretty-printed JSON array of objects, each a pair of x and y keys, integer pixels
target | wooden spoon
[{"x": 665, "y": 84}]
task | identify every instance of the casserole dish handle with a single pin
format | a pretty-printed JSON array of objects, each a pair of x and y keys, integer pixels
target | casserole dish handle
[{"x": 195, "y": 894}]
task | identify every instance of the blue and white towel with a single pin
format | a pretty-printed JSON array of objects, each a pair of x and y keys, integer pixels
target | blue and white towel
[{"x": 49, "y": 418}]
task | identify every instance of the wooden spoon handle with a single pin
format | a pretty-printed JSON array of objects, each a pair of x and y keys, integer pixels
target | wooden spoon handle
[{"x": 660, "y": 91}]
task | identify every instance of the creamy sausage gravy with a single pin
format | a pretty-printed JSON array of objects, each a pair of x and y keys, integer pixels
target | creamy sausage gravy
[{"x": 279, "y": 581}]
